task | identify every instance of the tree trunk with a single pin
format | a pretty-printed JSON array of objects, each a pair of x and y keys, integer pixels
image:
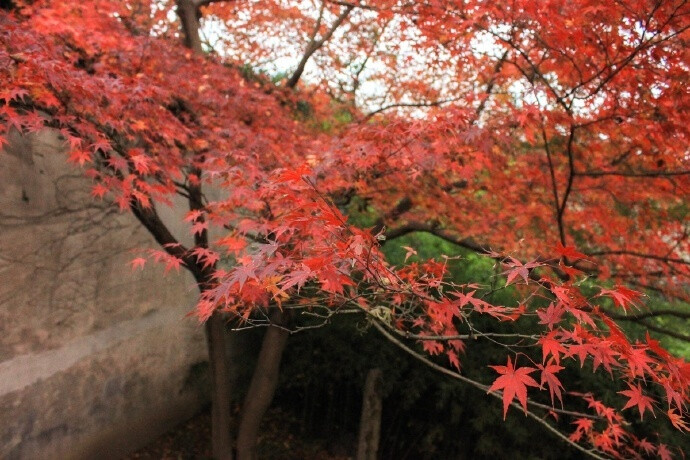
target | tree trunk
[
  {"x": 187, "y": 12},
  {"x": 262, "y": 387},
  {"x": 370, "y": 423},
  {"x": 216, "y": 335},
  {"x": 221, "y": 390}
]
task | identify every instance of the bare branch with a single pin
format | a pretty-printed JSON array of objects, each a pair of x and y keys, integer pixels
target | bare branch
[
  {"x": 315, "y": 45},
  {"x": 411, "y": 227},
  {"x": 492, "y": 82},
  {"x": 354, "y": 5},
  {"x": 410, "y": 104},
  {"x": 661, "y": 330}
]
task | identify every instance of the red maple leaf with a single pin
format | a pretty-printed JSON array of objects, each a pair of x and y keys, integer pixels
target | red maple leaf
[
  {"x": 232, "y": 244},
  {"x": 551, "y": 345},
  {"x": 551, "y": 315},
  {"x": 646, "y": 446},
  {"x": 663, "y": 452},
  {"x": 80, "y": 156},
  {"x": 622, "y": 296},
  {"x": 637, "y": 398},
  {"x": 583, "y": 426},
  {"x": 99, "y": 190},
  {"x": 139, "y": 262},
  {"x": 205, "y": 257},
  {"x": 548, "y": 376},
  {"x": 638, "y": 361},
  {"x": 677, "y": 420},
  {"x": 199, "y": 227},
  {"x": 569, "y": 251},
  {"x": 294, "y": 175},
  {"x": 514, "y": 382},
  {"x": 517, "y": 268},
  {"x": 410, "y": 252},
  {"x": 141, "y": 161},
  {"x": 101, "y": 144},
  {"x": 297, "y": 278},
  {"x": 432, "y": 347}
]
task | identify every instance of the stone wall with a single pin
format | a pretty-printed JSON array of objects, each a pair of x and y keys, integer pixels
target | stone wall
[{"x": 95, "y": 359}]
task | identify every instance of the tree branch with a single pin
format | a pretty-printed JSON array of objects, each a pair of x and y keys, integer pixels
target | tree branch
[
  {"x": 554, "y": 185},
  {"x": 411, "y": 227},
  {"x": 150, "y": 219},
  {"x": 467, "y": 243},
  {"x": 661, "y": 330},
  {"x": 483, "y": 387},
  {"x": 187, "y": 12},
  {"x": 314, "y": 45},
  {"x": 410, "y": 104},
  {"x": 613, "y": 252},
  {"x": 200, "y": 3},
  {"x": 569, "y": 185},
  {"x": 353, "y": 5},
  {"x": 490, "y": 85},
  {"x": 632, "y": 173},
  {"x": 649, "y": 314}
]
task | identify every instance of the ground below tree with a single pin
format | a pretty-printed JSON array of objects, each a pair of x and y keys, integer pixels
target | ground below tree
[{"x": 280, "y": 439}]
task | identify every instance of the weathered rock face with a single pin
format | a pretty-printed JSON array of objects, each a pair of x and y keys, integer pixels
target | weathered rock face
[{"x": 95, "y": 359}]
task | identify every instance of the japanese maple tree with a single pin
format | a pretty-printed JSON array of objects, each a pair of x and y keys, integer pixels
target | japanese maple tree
[{"x": 550, "y": 137}]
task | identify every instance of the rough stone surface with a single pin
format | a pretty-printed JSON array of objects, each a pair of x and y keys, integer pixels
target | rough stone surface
[{"x": 95, "y": 359}]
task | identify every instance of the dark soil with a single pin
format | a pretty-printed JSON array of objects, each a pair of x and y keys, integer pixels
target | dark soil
[{"x": 280, "y": 440}]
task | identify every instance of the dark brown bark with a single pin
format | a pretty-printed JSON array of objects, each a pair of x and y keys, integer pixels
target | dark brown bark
[
  {"x": 221, "y": 390},
  {"x": 370, "y": 423},
  {"x": 262, "y": 387},
  {"x": 265, "y": 377},
  {"x": 216, "y": 334},
  {"x": 187, "y": 11}
]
